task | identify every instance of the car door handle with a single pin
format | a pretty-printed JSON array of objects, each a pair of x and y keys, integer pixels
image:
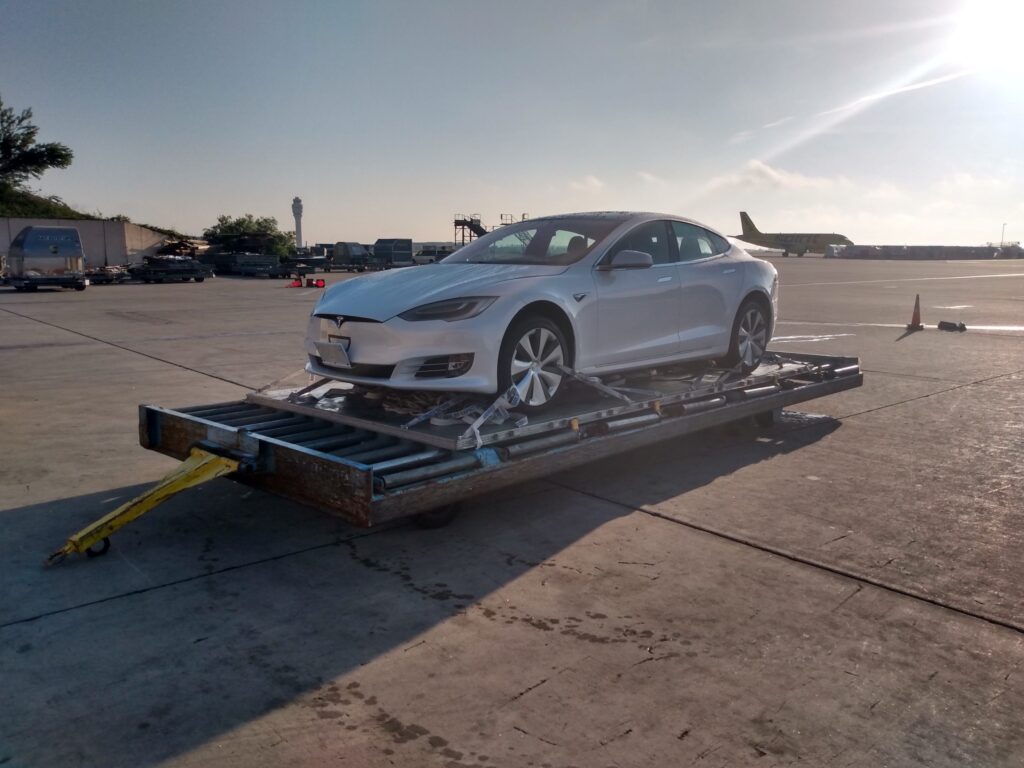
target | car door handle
[
  {"x": 728, "y": 271},
  {"x": 664, "y": 279}
]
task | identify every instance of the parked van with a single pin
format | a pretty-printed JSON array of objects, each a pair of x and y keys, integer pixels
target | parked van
[{"x": 46, "y": 256}]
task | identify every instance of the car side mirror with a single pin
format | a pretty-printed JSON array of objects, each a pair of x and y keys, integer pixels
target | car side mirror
[{"x": 629, "y": 260}]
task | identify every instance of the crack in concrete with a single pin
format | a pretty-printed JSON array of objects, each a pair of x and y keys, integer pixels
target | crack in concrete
[
  {"x": 534, "y": 736},
  {"x": 526, "y": 691}
]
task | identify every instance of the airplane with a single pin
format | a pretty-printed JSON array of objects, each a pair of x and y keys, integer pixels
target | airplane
[{"x": 790, "y": 242}]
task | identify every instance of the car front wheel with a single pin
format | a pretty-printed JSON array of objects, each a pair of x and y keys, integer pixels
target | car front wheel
[
  {"x": 531, "y": 353},
  {"x": 749, "y": 337}
]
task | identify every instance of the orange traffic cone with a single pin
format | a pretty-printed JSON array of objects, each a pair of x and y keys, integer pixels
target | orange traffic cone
[{"x": 915, "y": 320}]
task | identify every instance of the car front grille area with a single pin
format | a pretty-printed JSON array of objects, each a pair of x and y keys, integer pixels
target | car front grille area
[
  {"x": 347, "y": 319},
  {"x": 444, "y": 367},
  {"x": 361, "y": 370}
]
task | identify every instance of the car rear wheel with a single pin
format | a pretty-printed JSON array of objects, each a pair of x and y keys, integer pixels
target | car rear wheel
[
  {"x": 531, "y": 352},
  {"x": 749, "y": 337}
]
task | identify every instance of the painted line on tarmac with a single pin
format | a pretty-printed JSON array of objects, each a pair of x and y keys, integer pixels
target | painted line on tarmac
[
  {"x": 811, "y": 562},
  {"x": 972, "y": 327},
  {"x": 986, "y": 380},
  {"x": 225, "y": 335},
  {"x": 904, "y": 280},
  {"x": 129, "y": 349},
  {"x": 805, "y": 560},
  {"x": 335, "y": 542},
  {"x": 792, "y": 339}
]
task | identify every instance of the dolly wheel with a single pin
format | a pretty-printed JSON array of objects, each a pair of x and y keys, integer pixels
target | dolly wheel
[
  {"x": 98, "y": 550},
  {"x": 436, "y": 518}
]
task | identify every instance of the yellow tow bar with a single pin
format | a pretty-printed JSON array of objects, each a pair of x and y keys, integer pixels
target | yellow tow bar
[{"x": 198, "y": 468}]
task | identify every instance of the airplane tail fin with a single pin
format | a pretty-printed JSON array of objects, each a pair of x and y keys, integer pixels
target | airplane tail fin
[{"x": 747, "y": 224}]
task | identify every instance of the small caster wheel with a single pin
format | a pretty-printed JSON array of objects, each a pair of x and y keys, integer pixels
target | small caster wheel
[
  {"x": 436, "y": 518},
  {"x": 98, "y": 550}
]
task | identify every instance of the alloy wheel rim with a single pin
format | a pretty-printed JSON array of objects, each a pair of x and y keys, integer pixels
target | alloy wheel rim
[
  {"x": 752, "y": 337},
  {"x": 534, "y": 368}
]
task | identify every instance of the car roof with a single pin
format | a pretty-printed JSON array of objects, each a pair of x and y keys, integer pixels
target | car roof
[{"x": 627, "y": 216}]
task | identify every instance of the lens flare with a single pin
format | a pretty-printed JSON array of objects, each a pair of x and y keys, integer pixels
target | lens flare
[{"x": 985, "y": 37}]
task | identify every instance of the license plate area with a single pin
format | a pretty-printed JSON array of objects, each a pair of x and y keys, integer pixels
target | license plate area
[{"x": 334, "y": 353}]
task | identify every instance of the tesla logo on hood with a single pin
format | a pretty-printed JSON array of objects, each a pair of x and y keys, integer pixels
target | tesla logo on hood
[{"x": 339, "y": 320}]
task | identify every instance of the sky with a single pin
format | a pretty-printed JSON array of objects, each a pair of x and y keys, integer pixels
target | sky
[{"x": 890, "y": 121}]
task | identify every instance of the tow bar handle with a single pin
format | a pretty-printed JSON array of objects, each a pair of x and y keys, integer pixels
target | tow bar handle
[{"x": 200, "y": 467}]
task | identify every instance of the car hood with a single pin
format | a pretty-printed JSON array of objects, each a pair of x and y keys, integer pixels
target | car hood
[{"x": 383, "y": 295}]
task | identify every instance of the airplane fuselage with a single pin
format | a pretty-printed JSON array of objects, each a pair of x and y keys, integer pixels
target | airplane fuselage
[
  {"x": 789, "y": 242},
  {"x": 795, "y": 242}
]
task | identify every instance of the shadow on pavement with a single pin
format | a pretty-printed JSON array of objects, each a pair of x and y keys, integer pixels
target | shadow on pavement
[{"x": 226, "y": 603}]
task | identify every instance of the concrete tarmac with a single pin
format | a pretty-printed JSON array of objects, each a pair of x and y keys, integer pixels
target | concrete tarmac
[{"x": 843, "y": 589}]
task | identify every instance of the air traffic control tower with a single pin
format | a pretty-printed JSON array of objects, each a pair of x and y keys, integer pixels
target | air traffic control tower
[{"x": 297, "y": 213}]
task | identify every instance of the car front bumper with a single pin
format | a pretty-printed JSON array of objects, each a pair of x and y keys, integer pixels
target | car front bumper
[{"x": 390, "y": 353}]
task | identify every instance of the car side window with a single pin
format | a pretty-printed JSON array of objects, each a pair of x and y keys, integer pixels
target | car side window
[
  {"x": 511, "y": 246},
  {"x": 719, "y": 243},
  {"x": 693, "y": 242},
  {"x": 651, "y": 238},
  {"x": 568, "y": 242}
]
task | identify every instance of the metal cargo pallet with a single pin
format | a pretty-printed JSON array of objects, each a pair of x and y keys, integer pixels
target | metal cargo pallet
[
  {"x": 370, "y": 472},
  {"x": 585, "y": 405}
]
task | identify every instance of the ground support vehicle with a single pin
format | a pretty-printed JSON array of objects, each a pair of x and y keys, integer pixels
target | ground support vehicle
[
  {"x": 389, "y": 252},
  {"x": 349, "y": 257},
  {"x": 252, "y": 265},
  {"x": 170, "y": 269},
  {"x": 107, "y": 275},
  {"x": 432, "y": 254},
  {"x": 46, "y": 257},
  {"x": 373, "y": 468}
]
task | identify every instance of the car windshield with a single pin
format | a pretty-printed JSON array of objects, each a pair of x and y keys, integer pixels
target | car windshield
[{"x": 554, "y": 242}]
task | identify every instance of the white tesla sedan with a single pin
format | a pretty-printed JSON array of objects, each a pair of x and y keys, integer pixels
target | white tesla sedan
[{"x": 599, "y": 292}]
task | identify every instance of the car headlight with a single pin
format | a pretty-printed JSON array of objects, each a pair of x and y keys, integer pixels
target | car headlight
[{"x": 450, "y": 309}]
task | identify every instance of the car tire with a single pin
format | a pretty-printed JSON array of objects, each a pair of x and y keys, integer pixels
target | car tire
[
  {"x": 530, "y": 369},
  {"x": 750, "y": 337}
]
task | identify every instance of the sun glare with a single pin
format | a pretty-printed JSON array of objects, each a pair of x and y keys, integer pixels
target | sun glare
[{"x": 986, "y": 37}]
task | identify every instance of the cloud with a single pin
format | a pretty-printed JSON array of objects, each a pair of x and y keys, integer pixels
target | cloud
[
  {"x": 588, "y": 183},
  {"x": 777, "y": 123},
  {"x": 959, "y": 183},
  {"x": 872, "y": 97},
  {"x": 759, "y": 173},
  {"x": 741, "y": 136},
  {"x": 885, "y": 192},
  {"x": 649, "y": 178}
]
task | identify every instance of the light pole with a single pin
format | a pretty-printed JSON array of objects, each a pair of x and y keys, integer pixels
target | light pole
[{"x": 1002, "y": 235}]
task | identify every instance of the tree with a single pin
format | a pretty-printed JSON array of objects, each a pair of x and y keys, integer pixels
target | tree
[
  {"x": 21, "y": 158},
  {"x": 248, "y": 233}
]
